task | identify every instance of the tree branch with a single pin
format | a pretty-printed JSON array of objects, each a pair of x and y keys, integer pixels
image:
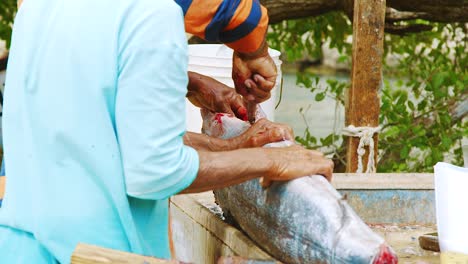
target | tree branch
[
  {"x": 393, "y": 15},
  {"x": 432, "y": 10},
  {"x": 279, "y": 10},
  {"x": 406, "y": 29}
]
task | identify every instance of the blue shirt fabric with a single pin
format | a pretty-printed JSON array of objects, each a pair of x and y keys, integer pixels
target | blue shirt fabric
[{"x": 94, "y": 117}]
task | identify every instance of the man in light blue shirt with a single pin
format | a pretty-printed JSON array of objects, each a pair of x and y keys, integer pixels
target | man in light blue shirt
[{"x": 94, "y": 131}]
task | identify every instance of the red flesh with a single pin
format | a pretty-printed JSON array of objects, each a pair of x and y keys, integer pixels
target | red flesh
[
  {"x": 386, "y": 256},
  {"x": 218, "y": 118}
]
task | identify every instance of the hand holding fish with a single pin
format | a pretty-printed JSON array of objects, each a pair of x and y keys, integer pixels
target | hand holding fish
[
  {"x": 262, "y": 133},
  {"x": 294, "y": 162}
]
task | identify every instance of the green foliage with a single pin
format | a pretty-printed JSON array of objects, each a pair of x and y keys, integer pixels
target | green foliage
[
  {"x": 434, "y": 79},
  {"x": 306, "y": 36},
  {"x": 7, "y": 13},
  {"x": 419, "y": 127}
]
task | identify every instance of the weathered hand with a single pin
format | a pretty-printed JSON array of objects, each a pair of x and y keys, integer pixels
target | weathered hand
[
  {"x": 262, "y": 133},
  {"x": 254, "y": 75},
  {"x": 294, "y": 162},
  {"x": 206, "y": 92}
]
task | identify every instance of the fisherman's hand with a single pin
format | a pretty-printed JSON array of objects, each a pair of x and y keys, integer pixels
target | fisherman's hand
[
  {"x": 263, "y": 132},
  {"x": 295, "y": 162},
  {"x": 254, "y": 74},
  {"x": 206, "y": 92}
]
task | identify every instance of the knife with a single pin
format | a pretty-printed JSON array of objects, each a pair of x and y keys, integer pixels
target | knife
[{"x": 251, "y": 111}]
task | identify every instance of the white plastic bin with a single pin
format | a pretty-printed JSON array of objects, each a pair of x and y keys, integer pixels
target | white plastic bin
[
  {"x": 215, "y": 61},
  {"x": 451, "y": 184}
]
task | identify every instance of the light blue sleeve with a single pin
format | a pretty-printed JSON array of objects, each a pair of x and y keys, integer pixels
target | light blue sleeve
[{"x": 150, "y": 103}]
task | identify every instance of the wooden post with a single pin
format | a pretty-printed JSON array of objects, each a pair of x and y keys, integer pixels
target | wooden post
[{"x": 363, "y": 103}]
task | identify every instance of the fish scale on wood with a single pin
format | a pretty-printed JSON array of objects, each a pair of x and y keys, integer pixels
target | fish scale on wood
[{"x": 301, "y": 221}]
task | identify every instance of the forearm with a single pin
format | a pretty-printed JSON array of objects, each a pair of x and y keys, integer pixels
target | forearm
[
  {"x": 193, "y": 88},
  {"x": 202, "y": 142},
  {"x": 260, "y": 52},
  {"x": 195, "y": 80},
  {"x": 222, "y": 169}
]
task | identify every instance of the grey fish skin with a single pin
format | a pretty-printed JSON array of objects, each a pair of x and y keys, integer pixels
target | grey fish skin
[{"x": 301, "y": 221}]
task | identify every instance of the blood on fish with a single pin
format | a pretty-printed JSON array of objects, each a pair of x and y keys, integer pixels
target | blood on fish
[
  {"x": 218, "y": 118},
  {"x": 242, "y": 112},
  {"x": 386, "y": 256}
]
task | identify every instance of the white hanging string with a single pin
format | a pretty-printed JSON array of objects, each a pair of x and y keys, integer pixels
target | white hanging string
[{"x": 365, "y": 135}]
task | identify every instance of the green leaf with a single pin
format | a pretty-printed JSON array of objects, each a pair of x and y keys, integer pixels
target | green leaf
[
  {"x": 317, "y": 79},
  {"x": 319, "y": 97},
  {"x": 428, "y": 160},
  {"x": 328, "y": 140},
  {"x": 402, "y": 167},
  {"x": 404, "y": 152},
  {"x": 392, "y": 131},
  {"x": 402, "y": 97},
  {"x": 437, "y": 80},
  {"x": 446, "y": 142},
  {"x": 343, "y": 58},
  {"x": 422, "y": 105},
  {"x": 411, "y": 105}
]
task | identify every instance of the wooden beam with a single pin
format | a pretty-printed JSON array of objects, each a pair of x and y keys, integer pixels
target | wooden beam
[
  {"x": 239, "y": 260},
  {"x": 363, "y": 103},
  {"x": 383, "y": 181},
  {"x": 89, "y": 254}
]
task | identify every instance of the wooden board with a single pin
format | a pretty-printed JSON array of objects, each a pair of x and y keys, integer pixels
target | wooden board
[
  {"x": 89, "y": 254},
  {"x": 192, "y": 221}
]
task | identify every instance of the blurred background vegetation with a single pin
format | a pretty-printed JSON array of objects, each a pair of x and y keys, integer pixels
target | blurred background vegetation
[
  {"x": 423, "y": 109},
  {"x": 7, "y": 13}
]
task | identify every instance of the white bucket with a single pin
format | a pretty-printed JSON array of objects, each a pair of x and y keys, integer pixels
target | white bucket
[
  {"x": 215, "y": 61},
  {"x": 451, "y": 193}
]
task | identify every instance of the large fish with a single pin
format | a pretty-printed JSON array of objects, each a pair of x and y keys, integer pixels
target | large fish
[{"x": 301, "y": 221}]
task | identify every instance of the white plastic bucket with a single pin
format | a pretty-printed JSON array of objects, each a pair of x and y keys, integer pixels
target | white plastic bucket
[
  {"x": 451, "y": 185},
  {"x": 215, "y": 61}
]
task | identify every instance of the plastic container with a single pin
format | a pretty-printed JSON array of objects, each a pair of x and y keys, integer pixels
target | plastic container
[
  {"x": 215, "y": 61},
  {"x": 451, "y": 193}
]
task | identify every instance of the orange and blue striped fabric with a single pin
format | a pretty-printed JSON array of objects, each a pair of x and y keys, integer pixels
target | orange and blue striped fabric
[{"x": 240, "y": 24}]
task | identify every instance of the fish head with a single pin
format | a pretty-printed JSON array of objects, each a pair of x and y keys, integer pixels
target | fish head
[{"x": 222, "y": 125}]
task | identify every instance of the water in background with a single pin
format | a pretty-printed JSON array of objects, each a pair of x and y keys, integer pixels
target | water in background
[{"x": 320, "y": 116}]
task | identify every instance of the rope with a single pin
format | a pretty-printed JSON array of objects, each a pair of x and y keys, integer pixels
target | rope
[{"x": 365, "y": 135}]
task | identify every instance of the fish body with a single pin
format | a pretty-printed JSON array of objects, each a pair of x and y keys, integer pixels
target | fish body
[{"x": 301, "y": 221}]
